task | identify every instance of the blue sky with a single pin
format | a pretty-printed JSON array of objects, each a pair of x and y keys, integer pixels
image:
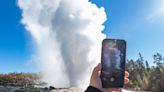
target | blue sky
[
  {"x": 139, "y": 22},
  {"x": 14, "y": 50}
]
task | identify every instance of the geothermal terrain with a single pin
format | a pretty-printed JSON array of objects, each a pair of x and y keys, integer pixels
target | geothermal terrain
[
  {"x": 30, "y": 82},
  {"x": 46, "y": 89}
]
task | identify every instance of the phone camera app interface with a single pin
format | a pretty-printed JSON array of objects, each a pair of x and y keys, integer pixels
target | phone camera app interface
[{"x": 113, "y": 61}]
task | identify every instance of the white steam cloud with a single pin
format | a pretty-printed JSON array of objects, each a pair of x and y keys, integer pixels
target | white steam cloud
[{"x": 68, "y": 36}]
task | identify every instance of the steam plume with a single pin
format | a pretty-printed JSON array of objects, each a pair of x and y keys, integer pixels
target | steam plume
[{"x": 68, "y": 35}]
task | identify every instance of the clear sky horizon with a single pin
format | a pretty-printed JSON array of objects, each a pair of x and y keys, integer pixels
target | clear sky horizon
[{"x": 139, "y": 22}]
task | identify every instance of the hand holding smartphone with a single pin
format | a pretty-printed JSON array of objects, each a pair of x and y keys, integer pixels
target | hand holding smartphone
[{"x": 113, "y": 63}]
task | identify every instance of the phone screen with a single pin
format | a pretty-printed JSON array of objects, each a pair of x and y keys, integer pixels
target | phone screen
[{"x": 113, "y": 63}]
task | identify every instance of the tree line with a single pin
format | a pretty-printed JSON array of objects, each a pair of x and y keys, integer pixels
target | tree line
[{"x": 146, "y": 77}]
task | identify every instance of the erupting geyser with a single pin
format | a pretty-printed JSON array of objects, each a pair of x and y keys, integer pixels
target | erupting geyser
[{"x": 68, "y": 35}]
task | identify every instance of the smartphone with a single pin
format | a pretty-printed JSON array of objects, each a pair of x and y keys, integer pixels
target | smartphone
[{"x": 113, "y": 63}]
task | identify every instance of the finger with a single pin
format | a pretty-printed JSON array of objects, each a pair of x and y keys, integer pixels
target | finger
[
  {"x": 99, "y": 66},
  {"x": 126, "y": 80},
  {"x": 97, "y": 69},
  {"x": 126, "y": 74}
]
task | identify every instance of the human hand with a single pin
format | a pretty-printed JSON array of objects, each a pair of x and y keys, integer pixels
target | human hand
[{"x": 95, "y": 80}]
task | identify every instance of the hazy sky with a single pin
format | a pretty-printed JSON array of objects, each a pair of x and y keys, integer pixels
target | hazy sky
[{"x": 139, "y": 22}]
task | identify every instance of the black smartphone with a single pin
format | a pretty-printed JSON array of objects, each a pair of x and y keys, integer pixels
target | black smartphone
[{"x": 113, "y": 63}]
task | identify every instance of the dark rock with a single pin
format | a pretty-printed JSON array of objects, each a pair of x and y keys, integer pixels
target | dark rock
[
  {"x": 46, "y": 88},
  {"x": 52, "y": 88}
]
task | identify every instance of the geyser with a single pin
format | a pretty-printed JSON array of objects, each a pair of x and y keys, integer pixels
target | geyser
[{"x": 67, "y": 35}]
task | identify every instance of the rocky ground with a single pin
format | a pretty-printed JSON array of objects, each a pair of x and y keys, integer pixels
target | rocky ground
[
  {"x": 50, "y": 89},
  {"x": 46, "y": 89}
]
